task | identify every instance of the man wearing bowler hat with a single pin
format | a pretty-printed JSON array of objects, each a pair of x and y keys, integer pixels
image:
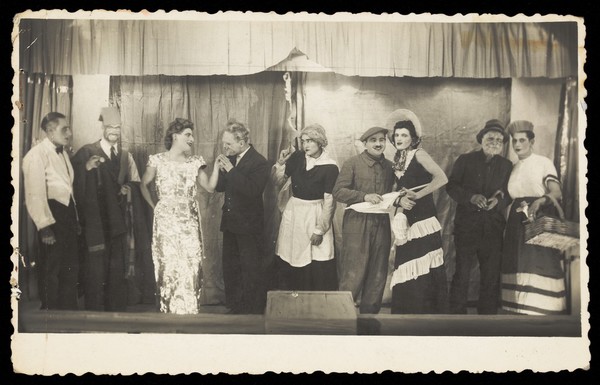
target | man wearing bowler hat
[
  {"x": 478, "y": 184},
  {"x": 366, "y": 237}
]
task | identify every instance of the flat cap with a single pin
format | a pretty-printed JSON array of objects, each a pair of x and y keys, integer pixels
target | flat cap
[{"x": 372, "y": 131}]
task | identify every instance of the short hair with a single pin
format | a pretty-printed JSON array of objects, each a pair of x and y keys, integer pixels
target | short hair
[
  {"x": 51, "y": 118},
  {"x": 176, "y": 127},
  {"x": 239, "y": 131},
  {"x": 317, "y": 133}
]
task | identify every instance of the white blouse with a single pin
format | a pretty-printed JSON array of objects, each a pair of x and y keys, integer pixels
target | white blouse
[{"x": 529, "y": 176}]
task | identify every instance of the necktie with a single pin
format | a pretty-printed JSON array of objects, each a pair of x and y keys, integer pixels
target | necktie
[
  {"x": 113, "y": 156},
  {"x": 59, "y": 149},
  {"x": 233, "y": 160}
]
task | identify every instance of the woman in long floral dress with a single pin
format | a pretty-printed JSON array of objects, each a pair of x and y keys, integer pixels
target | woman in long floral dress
[{"x": 177, "y": 249}]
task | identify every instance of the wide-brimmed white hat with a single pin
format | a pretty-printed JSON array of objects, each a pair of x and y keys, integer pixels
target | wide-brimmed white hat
[{"x": 400, "y": 115}]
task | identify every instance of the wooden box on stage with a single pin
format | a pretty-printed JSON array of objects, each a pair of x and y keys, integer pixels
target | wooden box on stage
[{"x": 310, "y": 312}]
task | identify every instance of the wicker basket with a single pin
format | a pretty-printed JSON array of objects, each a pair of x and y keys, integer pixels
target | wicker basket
[{"x": 552, "y": 232}]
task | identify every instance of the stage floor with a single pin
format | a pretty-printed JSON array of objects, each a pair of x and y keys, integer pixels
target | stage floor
[{"x": 214, "y": 320}]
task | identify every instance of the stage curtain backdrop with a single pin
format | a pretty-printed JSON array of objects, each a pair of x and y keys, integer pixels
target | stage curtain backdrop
[
  {"x": 40, "y": 95},
  {"x": 149, "y": 103},
  {"x": 566, "y": 158},
  {"x": 240, "y": 47},
  {"x": 451, "y": 111}
]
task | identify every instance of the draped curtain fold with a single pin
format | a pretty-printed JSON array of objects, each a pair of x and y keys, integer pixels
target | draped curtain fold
[
  {"x": 40, "y": 95},
  {"x": 148, "y": 104},
  {"x": 451, "y": 112},
  {"x": 161, "y": 72},
  {"x": 566, "y": 156},
  {"x": 185, "y": 47}
]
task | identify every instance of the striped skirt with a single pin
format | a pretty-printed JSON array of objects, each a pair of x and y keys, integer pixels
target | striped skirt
[
  {"x": 533, "y": 279},
  {"x": 419, "y": 280}
]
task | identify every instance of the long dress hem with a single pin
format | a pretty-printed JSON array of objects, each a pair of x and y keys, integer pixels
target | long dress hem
[
  {"x": 419, "y": 280},
  {"x": 177, "y": 247}
]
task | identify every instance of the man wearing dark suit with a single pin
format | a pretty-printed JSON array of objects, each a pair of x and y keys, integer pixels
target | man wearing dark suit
[
  {"x": 478, "y": 185},
  {"x": 103, "y": 191},
  {"x": 244, "y": 173}
]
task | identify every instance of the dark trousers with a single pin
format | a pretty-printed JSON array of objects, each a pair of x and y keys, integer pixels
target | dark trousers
[
  {"x": 317, "y": 275},
  {"x": 144, "y": 277},
  {"x": 244, "y": 272},
  {"x": 363, "y": 264},
  {"x": 59, "y": 263},
  {"x": 105, "y": 284},
  {"x": 489, "y": 254}
]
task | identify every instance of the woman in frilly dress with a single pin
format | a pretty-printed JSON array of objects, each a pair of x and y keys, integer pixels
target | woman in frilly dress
[
  {"x": 419, "y": 279},
  {"x": 177, "y": 249}
]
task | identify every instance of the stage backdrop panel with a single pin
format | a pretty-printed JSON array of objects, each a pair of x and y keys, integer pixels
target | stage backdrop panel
[
  {"x": 451, "y": 111},
  {"x": 149, "y": 103}
]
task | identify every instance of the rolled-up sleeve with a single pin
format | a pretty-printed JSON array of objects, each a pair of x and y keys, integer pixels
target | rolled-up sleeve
[
  {"x": 324, "y": 221},
  {"x": 278, "y": 175}
]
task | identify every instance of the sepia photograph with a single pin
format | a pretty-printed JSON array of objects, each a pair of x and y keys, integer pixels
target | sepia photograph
[{"x": 298, "y": 192}]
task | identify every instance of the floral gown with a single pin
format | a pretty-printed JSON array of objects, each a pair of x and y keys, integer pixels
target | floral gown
[{"x": 177, "y": 249}]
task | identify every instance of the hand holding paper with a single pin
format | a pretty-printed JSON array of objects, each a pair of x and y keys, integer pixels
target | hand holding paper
[
  {"x": 386, "y": 203},
  {"x": 382, "y": 207}
]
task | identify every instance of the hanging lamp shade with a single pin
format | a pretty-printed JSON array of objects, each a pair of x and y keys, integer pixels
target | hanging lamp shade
[{"x": 297, "y": 61}]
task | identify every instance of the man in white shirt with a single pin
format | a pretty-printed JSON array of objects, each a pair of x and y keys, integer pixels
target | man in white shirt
[
  {"x": 48, "y": 177},
  {"x": 102, "y": 188}
]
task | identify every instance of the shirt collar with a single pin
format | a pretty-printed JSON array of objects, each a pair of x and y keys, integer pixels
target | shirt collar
[
  {"x": 241, "y": 154},
  {"x": 312, "y": 162},
  {"x": 48, "y": 143},
  {"x": 531, "y": 156},
  {"x": 321, "y": 160},
  {"x": 106, "y": 147},
  {"x": 370, "y": 160}
]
